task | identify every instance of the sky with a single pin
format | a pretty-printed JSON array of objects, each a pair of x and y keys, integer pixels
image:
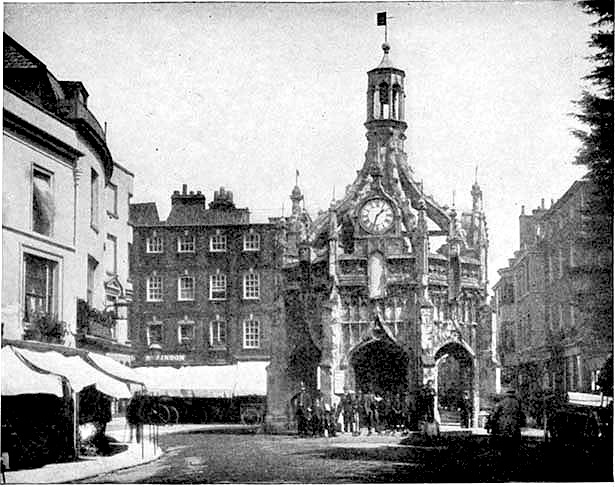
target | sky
[{"x": 242, "y": 95}]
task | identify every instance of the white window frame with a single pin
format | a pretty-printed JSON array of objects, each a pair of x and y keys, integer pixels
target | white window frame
[
  {"x": 251, "y": 285},
  {"x": 52, "y": 290},
  {"x": 251, "y": 336},
  {"x": 181, "y": 339},
  {"x": 217, "y": 242},
  {"x": 181, "y": 290},
  {"x": 148, "y": 332},
  {"x": 251, "y": 242},
  {"x": 214, "y": 333},
  {"x": 112, "y": 242},
  {"x": 185, "y": 246},
  {"x": 154, "y": 244},
  {"x": 158, "y": 289},
  {"x": 217, "y": 287},
  {"x": 48, "y": 174},
  {"x": 94, "y": 199},
  {"x": 90, "y": 290},
  {"x": 113, "y": 211}
]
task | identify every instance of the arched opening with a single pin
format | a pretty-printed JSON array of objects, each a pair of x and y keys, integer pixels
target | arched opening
[
  {"x": 396, "y": 104},
  {"x": 385, "y": 102},
  {"x": 381, "y": 366},
  {"x": 455, "y": 376}
]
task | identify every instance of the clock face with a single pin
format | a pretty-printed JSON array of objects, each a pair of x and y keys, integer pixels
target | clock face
[{"x": 376, "y": 216}]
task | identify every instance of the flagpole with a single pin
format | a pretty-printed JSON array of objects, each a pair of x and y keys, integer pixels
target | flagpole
[{"x": 386, "y": 28}]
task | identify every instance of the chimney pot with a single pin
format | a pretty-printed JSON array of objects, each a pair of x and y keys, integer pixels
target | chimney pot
[
  {"x": 542, "y": 203},
  {"x": 523, "y": 209},
  {"x": 184, "y": 188}
]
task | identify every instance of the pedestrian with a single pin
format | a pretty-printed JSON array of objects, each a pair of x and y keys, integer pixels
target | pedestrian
[
  {"x": 431, "y": 428},
  {"x": 466, "y": 409},
  {"x": 303, "y": 407},
  {"x": 357, "y": 407},
  {"x": 330, "y": 426},
  {"x": 133, "y": 418},
  {"x": 506, "y": 423},
  {"x": 318, "y": 413},
  {"x": 345, "y": 409},
  {"x": 396, "y": 413},
  {"x": 369, "y": 408}
]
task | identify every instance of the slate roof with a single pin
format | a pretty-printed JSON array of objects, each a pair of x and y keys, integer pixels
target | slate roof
[
  {"x": 146, "y": 214},
  {"x": 143, "y": 214},
  {"x": 18, "y": 58},
  {"x": 199, "y": 215}
]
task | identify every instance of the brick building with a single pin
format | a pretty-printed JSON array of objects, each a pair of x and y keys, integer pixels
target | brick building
[
  {"x": 546, "y": 338},
  {"x": 204, "y": 282}
]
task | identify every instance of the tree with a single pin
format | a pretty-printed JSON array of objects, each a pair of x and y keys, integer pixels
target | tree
[{"x": 596, "y": 153}]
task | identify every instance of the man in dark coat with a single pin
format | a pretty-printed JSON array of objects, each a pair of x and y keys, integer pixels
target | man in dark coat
[
  {"x": 466, "y": 409},
  {"x": 345, "y": 409},
  {"x": 303, "y": 408},
  {"x": 355, "y": 402},
  {"x": 369, "y": 408},
  {"x": 134, "y": 417},
  {"x": 506, "y": 423},
  {"x": 318, "y": 415}
]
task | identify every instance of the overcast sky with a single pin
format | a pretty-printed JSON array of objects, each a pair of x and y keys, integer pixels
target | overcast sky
[{"x": 241, "y": 95}]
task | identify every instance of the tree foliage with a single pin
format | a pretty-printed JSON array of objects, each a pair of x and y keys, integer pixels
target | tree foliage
[
  {"x": 596, "y": 153},
  {"x": 596, "y": 105}
]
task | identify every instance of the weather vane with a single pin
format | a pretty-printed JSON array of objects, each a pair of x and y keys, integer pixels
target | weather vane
[{"x": 381, "y": 19}]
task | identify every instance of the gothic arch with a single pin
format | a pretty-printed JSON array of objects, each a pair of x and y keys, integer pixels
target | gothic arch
[{"x": 379, "y": 364}]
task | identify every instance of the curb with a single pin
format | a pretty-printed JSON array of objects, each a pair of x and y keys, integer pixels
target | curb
[{"x": 119, "y": 469}]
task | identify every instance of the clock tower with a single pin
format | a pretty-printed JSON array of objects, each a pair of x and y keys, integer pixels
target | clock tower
[{"x": 387, "y": 287}]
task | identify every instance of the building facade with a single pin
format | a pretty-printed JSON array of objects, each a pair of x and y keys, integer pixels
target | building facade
[
  {"x": 547, "y": 338},
  {"x": 205, "y": 282},
  {"x": 57, "y": 169},
  {"x": 387, "y": 288}
]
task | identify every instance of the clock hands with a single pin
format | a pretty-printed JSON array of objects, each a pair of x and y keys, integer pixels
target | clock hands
[{"x": 378, "y": 216}]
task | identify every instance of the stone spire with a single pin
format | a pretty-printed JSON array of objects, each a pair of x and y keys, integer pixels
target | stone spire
[{"x": 477, "y": 194}]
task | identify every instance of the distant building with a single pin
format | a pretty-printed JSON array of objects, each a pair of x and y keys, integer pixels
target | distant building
[
  {"x": 204, "y": 282},
  {"x": 546, "y": 339},
  {"x": 65, "y": 232}
]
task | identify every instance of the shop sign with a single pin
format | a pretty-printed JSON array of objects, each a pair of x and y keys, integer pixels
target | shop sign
[{"x": 166, "y": 357}]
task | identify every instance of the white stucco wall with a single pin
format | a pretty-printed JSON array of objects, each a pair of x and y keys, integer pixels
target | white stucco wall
[{"x": 72, "y": 240}]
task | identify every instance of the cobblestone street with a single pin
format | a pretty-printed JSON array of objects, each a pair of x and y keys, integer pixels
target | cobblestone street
[{"x": 213, "y": 457}]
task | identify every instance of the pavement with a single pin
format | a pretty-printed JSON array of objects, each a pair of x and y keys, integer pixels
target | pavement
[
  {"x": 148, "y": 450},
  {"x": 135, "y": 454}
]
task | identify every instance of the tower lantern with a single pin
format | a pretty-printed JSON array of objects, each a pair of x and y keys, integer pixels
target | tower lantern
[{"x": 385, "y": 91}]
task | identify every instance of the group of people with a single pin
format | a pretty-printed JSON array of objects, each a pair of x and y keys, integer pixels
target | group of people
[
  {"x": 388, "y": 412},
  {"x": 314, "y": 416}
]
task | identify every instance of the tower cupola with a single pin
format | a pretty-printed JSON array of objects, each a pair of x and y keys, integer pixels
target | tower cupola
[{"x": 385, "y": 90}]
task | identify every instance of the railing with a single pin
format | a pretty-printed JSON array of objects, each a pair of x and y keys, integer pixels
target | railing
[{"x": 90, "y": 321}]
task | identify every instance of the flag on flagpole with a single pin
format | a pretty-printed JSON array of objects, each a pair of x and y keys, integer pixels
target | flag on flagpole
[{"x": 381, "y": 18}]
